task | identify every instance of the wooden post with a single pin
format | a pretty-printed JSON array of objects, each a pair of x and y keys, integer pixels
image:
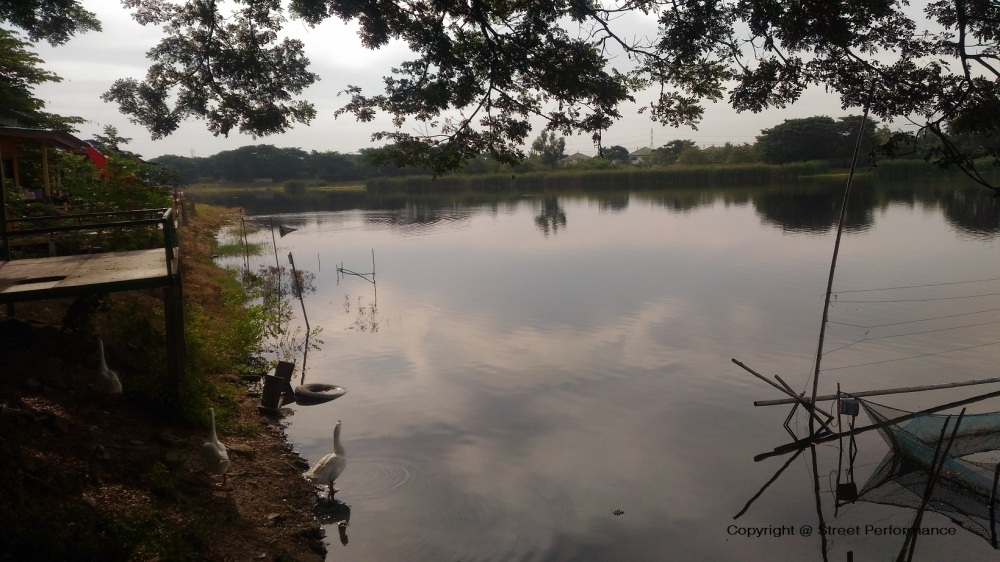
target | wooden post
[
  {"x": 3, "y": 222},
  {"x": 46, "y": 184},
  {"x": 173, "y": 311},
  {"x": 276, "y": 387},
  {"x": 283, "y": 370},
  {"x": 270, "y": 397}
]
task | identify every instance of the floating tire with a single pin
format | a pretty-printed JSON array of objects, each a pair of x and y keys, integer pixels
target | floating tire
[{"x": 317, "y": 393}]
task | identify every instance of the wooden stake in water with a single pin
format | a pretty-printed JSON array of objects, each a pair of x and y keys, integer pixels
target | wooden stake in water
[
  {"x": 246, "y": 244},
  {"x": 277, "y": 264},
  {"x": 305, "y": 317}
]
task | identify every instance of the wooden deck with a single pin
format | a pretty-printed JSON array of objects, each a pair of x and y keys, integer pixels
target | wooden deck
[
  {"x": 62, "y": 276},
  {"x": 75, "y": 275}
]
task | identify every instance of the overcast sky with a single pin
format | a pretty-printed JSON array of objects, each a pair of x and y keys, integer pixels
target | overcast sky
[{"x": 90, "y": 63}]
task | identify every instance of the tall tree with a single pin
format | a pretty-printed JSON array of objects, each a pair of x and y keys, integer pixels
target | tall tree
[
  {"x": 799, "y": 140},
  {"x": 815, "y": 138},
  {"x": 668, "y": 153},
  {"x": 548, "y": 148},
  {"x": 616, "y": 153}
]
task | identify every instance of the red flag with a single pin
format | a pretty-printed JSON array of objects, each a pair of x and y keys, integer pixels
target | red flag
[{"x": 99, "y": 160}]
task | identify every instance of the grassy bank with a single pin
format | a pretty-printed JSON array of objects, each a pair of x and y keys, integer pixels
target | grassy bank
[{"x": 747, "y": 175}]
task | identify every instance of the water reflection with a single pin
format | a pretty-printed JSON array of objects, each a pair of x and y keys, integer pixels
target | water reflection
[
  {"x": 930, "y": 467},
  {"x": 927, "y": 469},
  {"x": 482, "y": 410},
  {"x": 974, "y": 212},
  {"x": 415, "y": 219},
  {"x": 331, "y": 511},
  {"x": 366, "y": 315},
  {"x": 551, "y": 216},
  {"x": 816, "y": 210},
  {"x": 809, "y": 207}
]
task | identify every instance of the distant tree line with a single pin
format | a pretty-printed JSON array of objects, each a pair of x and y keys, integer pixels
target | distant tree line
[{"x": 820, "y": 138}]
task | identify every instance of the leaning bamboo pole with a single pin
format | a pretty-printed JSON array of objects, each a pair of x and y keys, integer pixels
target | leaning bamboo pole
[{"x": 833, "y": 261}]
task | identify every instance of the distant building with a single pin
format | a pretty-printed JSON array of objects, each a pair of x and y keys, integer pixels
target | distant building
[
  {"x": 639, "y": 155},
  {"x": 573, "y": 159}
]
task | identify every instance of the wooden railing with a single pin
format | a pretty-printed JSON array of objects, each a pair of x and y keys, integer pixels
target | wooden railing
[{"x": 163, "y": 218}]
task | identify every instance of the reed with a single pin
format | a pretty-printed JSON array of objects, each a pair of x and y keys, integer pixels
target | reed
[{"x": 637, "y": 179}]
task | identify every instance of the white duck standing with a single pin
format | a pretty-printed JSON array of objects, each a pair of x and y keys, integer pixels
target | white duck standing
[
  {"x": 213, "y": 453},
  {"x": 107, "y": 380},
  {"x": 330, "y": 466}
]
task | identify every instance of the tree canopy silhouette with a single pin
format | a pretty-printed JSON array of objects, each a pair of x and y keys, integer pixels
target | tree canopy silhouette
[{"x": 483, "y": 69}]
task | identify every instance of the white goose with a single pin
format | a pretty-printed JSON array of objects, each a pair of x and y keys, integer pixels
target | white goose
[
  {"x": 107, "y": 380},
  {"x": 330, "y": 466},
  {"x": 213, "y": 453}
]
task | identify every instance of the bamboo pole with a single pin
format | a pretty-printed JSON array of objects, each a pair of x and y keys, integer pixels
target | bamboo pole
[
  {"x": 901, "y": 390},
  {"x": 833, "y": 262},
  {"x": 768, "y": 483},
  {"x": 803, "y": 443},
  {"x": 298, "y": 288},
  {"x": 937, "y": 463},
  {"x": 806, "y": 404},
  {"x": 824, "y": 547},
  {"x": 993, "y": 506},
  {"x": 795, "y": 398}
]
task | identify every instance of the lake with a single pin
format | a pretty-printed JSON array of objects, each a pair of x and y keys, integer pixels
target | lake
[{"x": 551, "y": 377}]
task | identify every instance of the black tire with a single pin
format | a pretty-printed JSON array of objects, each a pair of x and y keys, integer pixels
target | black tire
[{"x": 317, "y": 393}]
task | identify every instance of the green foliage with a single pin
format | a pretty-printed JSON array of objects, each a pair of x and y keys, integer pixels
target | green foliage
[
  {"x": 228, "y": 68},
  {"x": 616, "y": 154},
  {"x": 743, "y": 154},
  {"x": 481, "y": 72},
  {"x": 55, "y": 21},
  {"x": 815, "y": 138},
  {"x": 126, "y": 183},
  {"x": 482, "y": 164},
  {"x": 596, "y": 164},
  {"x": 239, "y": 249},
  {"x": 692, "y": 156},
  {"x": 162, "y": 482},
  {"x": 21, "y": 71},
  {"x": 668, "y": 153},
  {"x": 549, "y": 149},
  {"x": 584, "y": 179}
]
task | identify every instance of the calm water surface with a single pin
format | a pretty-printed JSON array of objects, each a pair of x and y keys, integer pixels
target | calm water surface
[{"x": 552, "y": 379}]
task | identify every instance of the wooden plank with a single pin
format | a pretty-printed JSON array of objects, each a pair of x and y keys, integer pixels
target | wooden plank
[{"x": 51, "y": 277}]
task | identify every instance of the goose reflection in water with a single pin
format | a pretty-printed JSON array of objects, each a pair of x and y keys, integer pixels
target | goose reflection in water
[{"x": 331, "y": 511}]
